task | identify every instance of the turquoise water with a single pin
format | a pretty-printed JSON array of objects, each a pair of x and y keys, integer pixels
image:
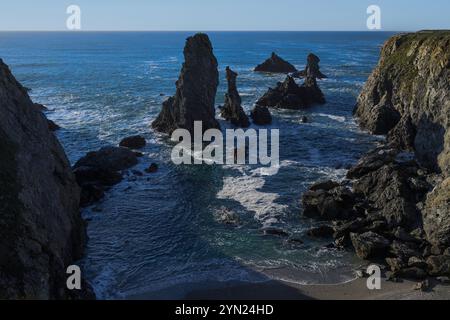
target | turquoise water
[{"x": 157, "y": 231}]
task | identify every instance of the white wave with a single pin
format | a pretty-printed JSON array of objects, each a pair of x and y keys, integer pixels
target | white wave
[
  {"x": 333, "y": 117},
  {"x": 244, "y": 189}
]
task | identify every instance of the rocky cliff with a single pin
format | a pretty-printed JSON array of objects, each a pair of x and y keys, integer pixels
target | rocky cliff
[
  {"x": 409, "y": 94},
  {"x": 41, "y": 231},
  {"x": 395, "y": 203},
  {"x": 196, "y": 90},
  {"x": 232, "y": 109}
]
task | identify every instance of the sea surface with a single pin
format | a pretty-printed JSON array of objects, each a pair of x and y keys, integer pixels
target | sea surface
[{"x": 160, "y": 231}]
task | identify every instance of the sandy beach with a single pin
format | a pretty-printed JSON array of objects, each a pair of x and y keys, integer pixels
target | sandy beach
[{"x": 282, "y": 290}]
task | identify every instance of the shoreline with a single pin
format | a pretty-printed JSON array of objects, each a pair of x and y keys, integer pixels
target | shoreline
[{"x": 284, "y": 290}]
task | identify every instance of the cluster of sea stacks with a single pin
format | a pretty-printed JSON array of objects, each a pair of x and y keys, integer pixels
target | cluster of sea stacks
[
  {"x": 394, "y": 207},
  {"x": 197, "y": 84}
]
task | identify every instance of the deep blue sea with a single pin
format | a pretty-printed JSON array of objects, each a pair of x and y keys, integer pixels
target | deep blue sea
[{"x": 162, "y": 231}]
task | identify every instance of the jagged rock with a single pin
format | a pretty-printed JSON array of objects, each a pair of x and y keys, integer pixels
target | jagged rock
[
  {"x": 261, "y": 115},
  {"x": 395, "y": 264},
  {"x": 41, "y": 230},
  {"x": 389, "y": 192},
  {"x": 322, "y": 231},
  {"x": 436, "y": 214},
  {"x": 133, "y": 142},
  {"x": 101, "y": 169},
  {"x": 273, "y": 231},
  {"x": 196, "y": 90},
  {"x": 40, "y": 107},
  {"x": 412, "y": 80},
  {"x": 289, "y": 95},
  {"x": 312, "y": 69},
  {"x": 232, "y": 110},
  {"x": 372, "y": 161},
  {"x": 404, "y": 250},
  {"x": 275, "y": 64},
  {"x": 439, "y": 265},
  {"x": 336, "y": 203},
  {"x": 369, "y": 245},
  {"x": 422, "y": 286},
  {"x": 403, "y": 134},
  {"x": 417, "y": 262}
]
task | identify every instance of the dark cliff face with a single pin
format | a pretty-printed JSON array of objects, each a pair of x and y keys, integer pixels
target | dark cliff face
[
  {"x": 41, "y": 230},
  {"x": 196, "y": 90},
  {"x": 232, "y": 110},
  {"x": 407, "y": 97}
]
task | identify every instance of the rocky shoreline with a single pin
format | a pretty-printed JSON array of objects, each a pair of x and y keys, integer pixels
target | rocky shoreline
[{"x": 394, "y": 206}]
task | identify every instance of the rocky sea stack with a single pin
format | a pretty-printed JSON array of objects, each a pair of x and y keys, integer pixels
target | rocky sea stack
[
  {"x": 41, "y": 230},
  {"x": 395, "y": 205},
  {"x": 196, "y": 90},
  {"x": 275, "y": 64},
  {"x": 312, "y": 69},
  {"x": 232, "y": 110},
  {"x": 289, "y": 95}
]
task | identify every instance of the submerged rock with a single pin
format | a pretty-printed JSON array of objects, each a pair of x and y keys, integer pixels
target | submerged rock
[
  {"x": 275, "y": 64},
  {"x": 41, "y": 230},
  {"x": 232, "y": 110},
  {"x": 261, "y": 115},
  {"x": 196, "y": 90},
  {"x": 133, "y": 142}
]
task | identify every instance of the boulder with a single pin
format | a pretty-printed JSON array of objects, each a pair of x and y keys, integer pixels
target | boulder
[
  {"x": 369, "y": 245},
  {"x": 41, "y": 229},
  {"x": 101, "y": 169},
  {"x": 195, "y": 90},
  {"x": 133, "y": 142},
  {"x": 275, "y": 64},
  {"x": 109, "y": 159},
  {"x": 261, "y": 115},
  {"x": 52, "y": 126},
  {"x": 232, "y": 110},
  {"x": 152, "y": 168},
  {"x": 402, "y": 136}
]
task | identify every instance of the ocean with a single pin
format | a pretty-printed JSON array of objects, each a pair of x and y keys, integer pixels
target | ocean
[{"x": 161, "y": 233}]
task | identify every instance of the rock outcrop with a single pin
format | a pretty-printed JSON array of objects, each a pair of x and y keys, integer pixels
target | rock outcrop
[
  {"x": 312, "y": 69},
  {"x": 410, "y": 88},
  {"x": 232, "y": 110},
  {"x": 196, "y": 90},
  {"x": 133, "y": 142},
  {"x": 275, "y": 64},
  {"x": 397, "y": 204},
  {"x": 261, "y": 115},
  {"x": 41, "y": 230},
  {"x": 289, "y": 95}
]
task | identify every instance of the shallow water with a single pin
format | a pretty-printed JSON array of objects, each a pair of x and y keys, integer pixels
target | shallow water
[{"x": 158, "y": 231}]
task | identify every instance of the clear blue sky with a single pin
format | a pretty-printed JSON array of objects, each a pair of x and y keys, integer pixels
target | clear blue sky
[{"x": 208, "y": 15}]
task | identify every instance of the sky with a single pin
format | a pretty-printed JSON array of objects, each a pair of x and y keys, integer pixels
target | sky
[{"x": 212, "y": 15}]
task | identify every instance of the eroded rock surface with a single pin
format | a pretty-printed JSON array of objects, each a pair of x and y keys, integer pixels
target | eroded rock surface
[
  {"x": 232, "y": 110},
  {"x": 196, "y": 90},
  {"x": 41, "y": 230},
  {"x": 275, "y": 64}
]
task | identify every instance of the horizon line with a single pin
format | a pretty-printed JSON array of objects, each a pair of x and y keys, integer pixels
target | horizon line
[{"x": 81, "y": 31}]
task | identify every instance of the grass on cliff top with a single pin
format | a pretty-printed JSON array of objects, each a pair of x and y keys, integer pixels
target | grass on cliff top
[{"x": 401, "y": 63}]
